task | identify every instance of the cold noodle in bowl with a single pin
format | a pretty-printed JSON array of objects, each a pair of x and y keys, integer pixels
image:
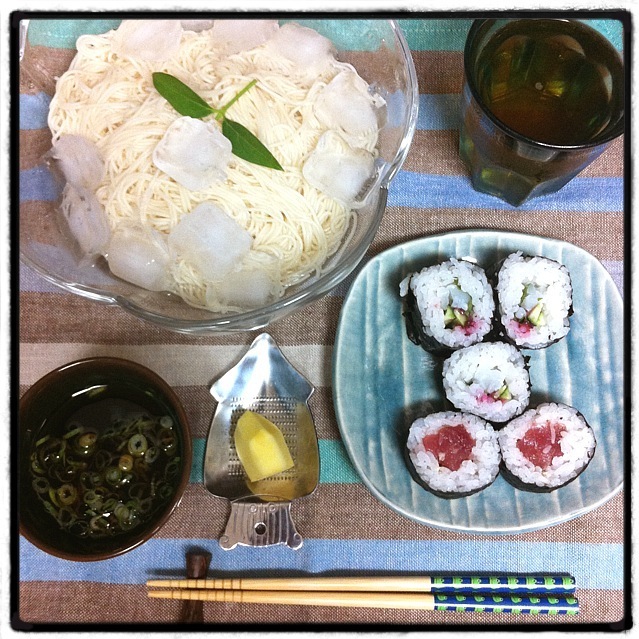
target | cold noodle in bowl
[{"x": 166, "y": 199}]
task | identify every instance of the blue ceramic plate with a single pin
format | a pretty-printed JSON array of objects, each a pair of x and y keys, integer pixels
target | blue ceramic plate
[{"x": 382, "y": 381}]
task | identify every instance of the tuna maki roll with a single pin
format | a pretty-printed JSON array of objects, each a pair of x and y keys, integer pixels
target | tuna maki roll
[
  {"x": 534, "y": 300},
  {"x": 489, "y": 380},
  {"x": 447, "y": 306},
  {"x": 546, "y": 448},
  {"x": 453, "y": 454}
]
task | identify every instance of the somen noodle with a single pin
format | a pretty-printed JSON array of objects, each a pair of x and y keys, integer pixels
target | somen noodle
[{"x": 110, "y": 100}]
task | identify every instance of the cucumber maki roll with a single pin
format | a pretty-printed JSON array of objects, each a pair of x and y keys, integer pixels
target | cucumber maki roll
[
  {"x": 489, "y": 380},
  {"x": 534, "y": 300},
  {"x": 447, "y": 306},
  {"x": 453, "y": 454},
  {"x": 546, "y": 448}
]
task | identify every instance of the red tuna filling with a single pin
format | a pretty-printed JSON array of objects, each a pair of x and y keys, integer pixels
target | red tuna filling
[
  {"x": 540, "y": 444},
  {"x": 451, "y": 445}
]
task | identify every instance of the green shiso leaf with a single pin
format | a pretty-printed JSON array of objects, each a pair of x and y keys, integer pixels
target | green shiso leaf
[
  {"x": 188, "y": 103},
  {"x": 247, "y": 146},
  {"x": 181, "y": 97}
]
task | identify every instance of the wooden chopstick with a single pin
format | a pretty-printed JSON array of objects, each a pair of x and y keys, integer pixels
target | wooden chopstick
[
  {"x": 541, "y": 584},
  {"x": 518, "y": 604}
]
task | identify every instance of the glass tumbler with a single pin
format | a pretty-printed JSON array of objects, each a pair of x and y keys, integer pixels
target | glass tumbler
[{"x": 542, "y": 98}]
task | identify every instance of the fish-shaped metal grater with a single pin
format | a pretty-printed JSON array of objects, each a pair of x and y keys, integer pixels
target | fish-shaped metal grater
[{"x": 265, "y": 382}]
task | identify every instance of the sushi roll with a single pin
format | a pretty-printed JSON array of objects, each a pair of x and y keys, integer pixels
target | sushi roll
[
  {"x": 490, "y": 380},
  {"x": 447, "y": 306},
  {"x": 546, "y": 447},
  {"x": 534, "y": 300},
  {"x": 453, "y": 454}
]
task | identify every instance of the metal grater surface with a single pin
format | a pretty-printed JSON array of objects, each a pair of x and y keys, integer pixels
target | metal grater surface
[{"x": 265, "y": 382}]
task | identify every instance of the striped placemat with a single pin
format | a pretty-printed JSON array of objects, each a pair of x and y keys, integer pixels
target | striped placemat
[{"x": 345, "y": 529}]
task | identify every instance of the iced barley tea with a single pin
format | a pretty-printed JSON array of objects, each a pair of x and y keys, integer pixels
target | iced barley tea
[{"x": 542, "y": 99}]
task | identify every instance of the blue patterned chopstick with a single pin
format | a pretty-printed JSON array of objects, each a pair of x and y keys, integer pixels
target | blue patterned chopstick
[
  {"x": 541, "y": 584},
  {"x": 514, "y": 604}
]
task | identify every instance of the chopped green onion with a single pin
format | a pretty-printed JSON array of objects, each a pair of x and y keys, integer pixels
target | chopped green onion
[
  {"x": 36, "y": 466},
  {"x": 99, "y": 523},
  {"x": 167, "y": 440},
  {"x": 125, "y": 463},
  {"x": 165, "y": 490},
  {"x": 137, "y": 445},
  {"x": 166, "y": 422},
  {"x": 172, "y": 467},
  {"x": 112, "y": 475},
  {"x": 67, "y": 494},
  {"x": 151, "y": 454},
  {"x": 51, "y": 509},
  {"x": 101, "y": 459},
  {"x": 40, "y": 485},
  {"x": 73, "y": 432},
  {"x": 53, "y": 497},
  {"x": 86, "y": 440},
  {"x": 125, "y": 479},
  {"x": 106, "y": 483},
  {"x": 66, "y": 517},
  {"x": 93, "y": 499}
]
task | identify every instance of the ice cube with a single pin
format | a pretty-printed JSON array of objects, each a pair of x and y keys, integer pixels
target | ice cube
[
  {"x": 194, "y": 153},
  {"x": 79, "y": 161},
  {"x": 140, "y": 257},
  {"x": 151, "y": 40},
  {"x": 345, "y": 104},
  {"x": 86, "y": 219},
  {"x": 302, "y": 45},
  {"x": 243, "y": 35},
  {"x": 246, "y": 288},
  {"x": 211, "y": 240},
  {"x": 196, "y": 25},
  {"x": 338, "y": 170}
]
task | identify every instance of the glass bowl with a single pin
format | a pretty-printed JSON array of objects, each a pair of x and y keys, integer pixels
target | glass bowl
[
  {"x": 379, "y": 52},
  {"x": 87, "y": 398}
]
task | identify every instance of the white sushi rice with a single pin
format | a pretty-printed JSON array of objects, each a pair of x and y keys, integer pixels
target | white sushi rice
[
  {"x": 577, "y": 443},
  {"x": 549, "y": 283},
  {"x": 432, "y": 288},
  {"x": 472, "y": 375},
  {"x": 475, "y": 473}
]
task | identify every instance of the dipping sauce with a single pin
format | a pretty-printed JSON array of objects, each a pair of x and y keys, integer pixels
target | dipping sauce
[{"x": 102, "y": 464}]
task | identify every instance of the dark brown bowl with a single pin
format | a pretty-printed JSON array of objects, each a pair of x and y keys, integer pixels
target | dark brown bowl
[{"x": 126, "y": 380}]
